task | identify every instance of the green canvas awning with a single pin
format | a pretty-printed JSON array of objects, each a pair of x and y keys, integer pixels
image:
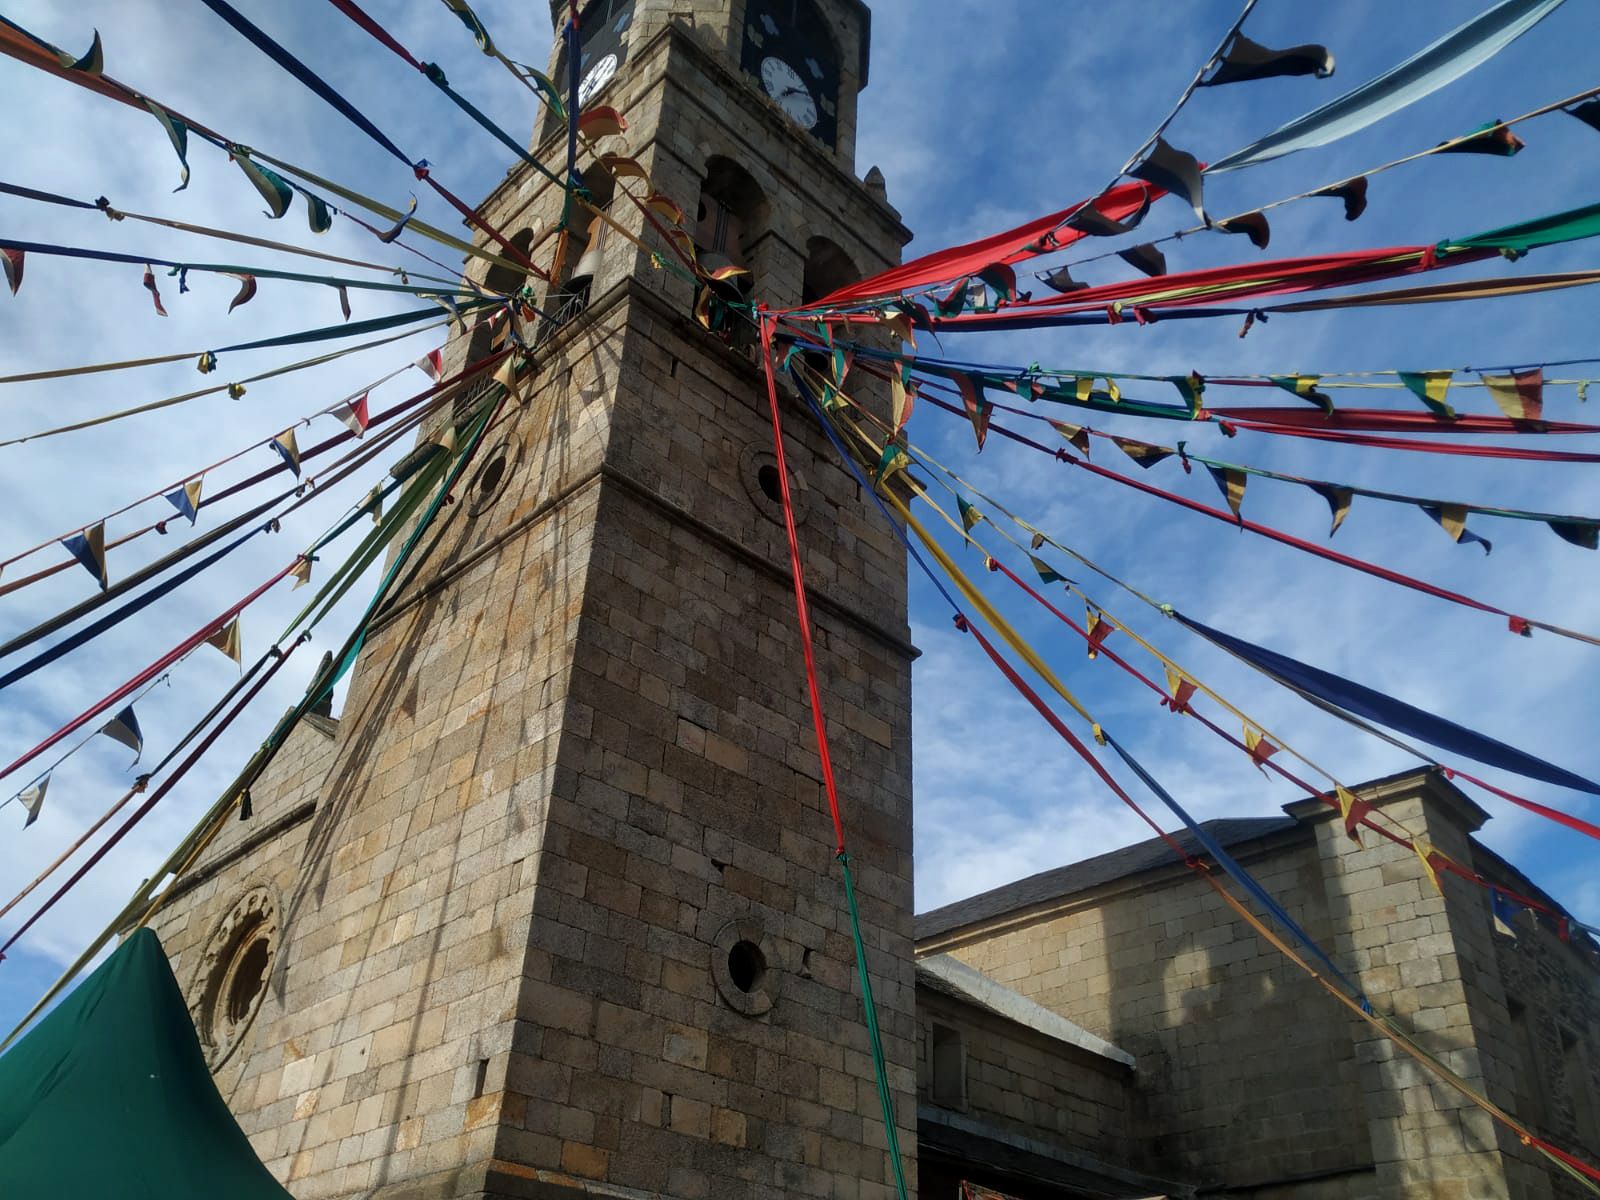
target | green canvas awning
[{"x": 110, "y": 1096}]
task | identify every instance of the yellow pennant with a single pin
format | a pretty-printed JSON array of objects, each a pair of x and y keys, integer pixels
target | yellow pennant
[
  {"x": 1425, "y": 855},
  {"x": 506, "y": 377},
  {"x": 301, "y": 572},
  {"x": 226, "y": 639},
  {"x": 1113, "y": 390},
  {"x": 1085, "y": 387}
]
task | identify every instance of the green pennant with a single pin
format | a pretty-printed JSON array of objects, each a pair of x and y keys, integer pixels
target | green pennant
[
  {"x": 1191, "y": 387},
  {"x": 319, "y": 214},
  {"x": 893, "y": 459},
  {"x": 1047, "y": 574},
  {"x": 1430, "y": 387},
  {"x": 970, "y": 515},
  {"x": 269, "y": 183},
  {"x": 1305, "y": 386},
  {"x": 177, "y": 134}
]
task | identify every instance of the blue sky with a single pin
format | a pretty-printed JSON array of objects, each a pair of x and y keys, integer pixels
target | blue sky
[{"x": 981, "y": 115}]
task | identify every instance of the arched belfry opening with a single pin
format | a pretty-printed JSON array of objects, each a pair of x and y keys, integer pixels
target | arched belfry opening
[
  {"x": 588, "y": 234},
  {"x": 731, "y": 229},
  {"x": 828, "y": 268},
  {"x": 502, "y": 279}
]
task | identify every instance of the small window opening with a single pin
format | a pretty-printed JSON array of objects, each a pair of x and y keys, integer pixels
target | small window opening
[
  {"x": 249, "y": 977},
  {"x": 828, "y": 268},
  {"x": 770, "y": 484},
  {"x": 947, "y": 1074},
  {"x": 482, "y": 1078},
  {"x": 747, "y": 965}
]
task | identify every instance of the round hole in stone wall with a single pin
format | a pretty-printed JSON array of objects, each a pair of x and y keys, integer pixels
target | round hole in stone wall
[
  {"x": 770, "y": 483},
  {"x": 230, "y": 982},
  {"x": 491, "y": 477},
  {"x": 249, "y": 977},
  {"x": 747, "y": 965},
  {"x": 758, "y": 471}
]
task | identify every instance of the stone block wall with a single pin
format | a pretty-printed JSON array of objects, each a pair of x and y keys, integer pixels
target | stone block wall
[
  {"x": 1031, "y": 1085},
  {"x": 1246, "y": 1070}
]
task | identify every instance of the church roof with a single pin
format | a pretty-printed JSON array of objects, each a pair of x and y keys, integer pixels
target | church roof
[
  {"x": 1090, "y": 873},
  {"x": 947, "y": 974}
]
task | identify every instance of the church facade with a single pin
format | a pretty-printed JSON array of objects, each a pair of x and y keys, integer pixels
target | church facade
[{"x": 552, "y": 909}]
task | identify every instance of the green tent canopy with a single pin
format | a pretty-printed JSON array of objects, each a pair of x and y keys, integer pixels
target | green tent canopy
[{"x": 110, "y": 1096}]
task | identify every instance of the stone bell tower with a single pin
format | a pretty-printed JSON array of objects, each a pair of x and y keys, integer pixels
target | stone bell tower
[{"x": 551, "y": 908}]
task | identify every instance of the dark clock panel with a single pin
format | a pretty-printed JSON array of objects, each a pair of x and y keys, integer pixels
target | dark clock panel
[
  {"x": 602, "y": 29},
  {"x": 790, "y": 53}
]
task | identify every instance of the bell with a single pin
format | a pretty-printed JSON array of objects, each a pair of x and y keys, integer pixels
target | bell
[
  {"x": 717, "y": 235},
  {"x": 588, "y": 264}
]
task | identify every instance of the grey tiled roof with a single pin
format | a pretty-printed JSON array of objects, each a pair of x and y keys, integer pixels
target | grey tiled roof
[{"x": 1091, "y": 872}]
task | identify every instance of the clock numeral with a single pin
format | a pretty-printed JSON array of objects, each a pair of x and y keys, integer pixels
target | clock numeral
[{"x": 755, "y": 37}]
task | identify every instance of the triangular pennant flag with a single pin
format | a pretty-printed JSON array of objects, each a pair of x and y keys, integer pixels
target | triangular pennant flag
[
  {"x": 1305, "y": 386},
  {"x": 1260, "y": 748},
  {"x": 226, "y": 639},
  {"x": 1002, "y": 280},
  {"x": 431, "y": 364},
  {"x": 269, "y": 184},
  {"x": 1090, "y": 220},
  {"x": 624, "y": 167},
  {"x": 979, "y": 410},
  {"x": 891, "y": 460},
  {"x": 1061, "y": 280},
  {"x": 1191, "y": 387},
  {"x": 1083, "y": 387},
  {"x": 1144, "y": 257},
  {"x": 665, "y": 207},
  {"x": 301, "y": 572},
  {"x": 124, "y": 728},
  {"x": 898, "y": 322},
  {"x": 1452, "y": 518},
  {"x": 186, "y": 499},
  {"x": 1113, "y": 392},
  {"x": 1076, "y": 434},
  {"x": 1180, "y": 689},
  {"x": 373, "y": 503},
  {"x": 288, "y": 450},
  {"x": 89, "y": 548},
  {"x": 904, "y": 395},
  {"x": 1505, "y": 911},
  {"x": 1254, "y": 225},
  {"x": 970, "y": 515},
  {"x": 601, "y": 122},
  {"x": 1036, "y": 540},
  {"x": 320, "y": 217},
  {"x": 1143, "y": 453},
  {"x": 1430, "y": 387},
  {"x": 1338, "y": 499},
  {"x": 445, "y": 439},
  {"x": 353, "y": 415},
  {"x": 1097, "y": 627},
  {"x": 1230, "y": 482},
  {"x": 177, "y": 134},
  {"x": 1352, "y": 808},
  {"x": 150, "y": 286},
  {"x": 32, "y": 798},
  {"x": 399, "y": 227},
  {"x": 92, "y": 62},
  {"x": 344, "y": 300},
  {"x": 1175, "y": 171},
  {"x": 1354, "y": 194},
  {"x": 247, "y": 290},
  {"x": 474, "y": 26},
  {"x": 1425, "y": 855},
  {"x": 1588, "y": 112},
  {"x": 1047, "y": 574},
  {"x": 1520, "y": 395},
  {"x": 1492, "y": 137},
  {"x": 12, "y": 261},
  {"x": 1246, "y": 60},
  {"x": 1578, "y": 533}
]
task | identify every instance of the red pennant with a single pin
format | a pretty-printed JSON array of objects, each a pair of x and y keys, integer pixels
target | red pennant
[
  {"x": 150, "y": 286},
  {"x": 247, "y": 291},
  {"x": 11, "y": 260}
]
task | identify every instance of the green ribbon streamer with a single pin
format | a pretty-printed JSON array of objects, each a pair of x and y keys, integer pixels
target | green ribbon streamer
[{"x": 879, "y": 1068}]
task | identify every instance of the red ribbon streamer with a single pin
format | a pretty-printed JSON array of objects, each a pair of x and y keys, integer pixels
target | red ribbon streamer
[{"x": 802, "y": 609}]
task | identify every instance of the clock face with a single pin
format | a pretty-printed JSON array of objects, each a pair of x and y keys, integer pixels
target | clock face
[
  {"x": 783, "y": 83},
  {"x": 791, "y": 53},
  {"x": 598, "y": 76}
]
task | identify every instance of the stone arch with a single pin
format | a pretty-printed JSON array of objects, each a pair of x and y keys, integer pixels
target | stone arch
[
  {"x": 499, "y": 281},
  {"x": 827, "y": 268},
  {"x": 587, "y": 237}
]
